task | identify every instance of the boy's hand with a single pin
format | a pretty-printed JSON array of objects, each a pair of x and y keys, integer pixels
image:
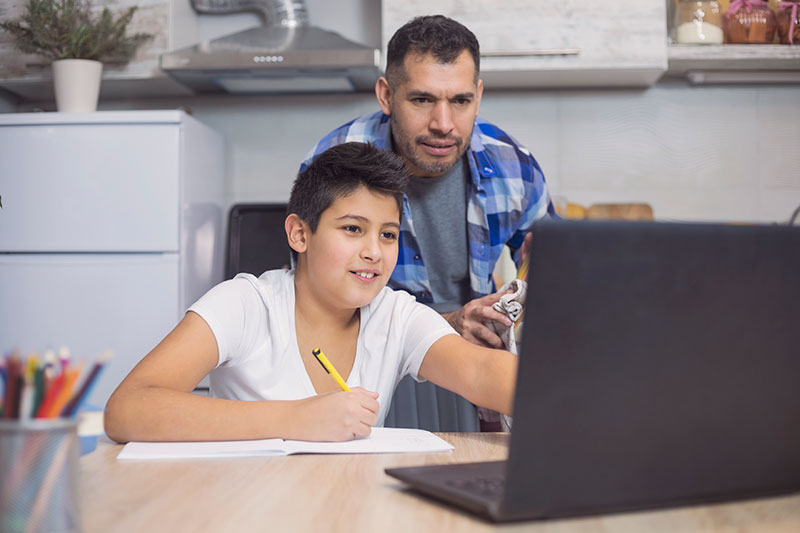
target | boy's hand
[
  {"x": 470, "y": 321},
  {"x": 336, "y": 416}
]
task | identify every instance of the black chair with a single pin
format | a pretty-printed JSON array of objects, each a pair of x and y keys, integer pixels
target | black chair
[{"x": 256, "y": 239}]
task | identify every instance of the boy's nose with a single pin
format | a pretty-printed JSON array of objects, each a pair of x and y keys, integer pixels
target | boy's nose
[{"x": 371, "y": 251}]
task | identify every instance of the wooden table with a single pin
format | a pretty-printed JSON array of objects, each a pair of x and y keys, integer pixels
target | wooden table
[{"x": 347, "y": 493}]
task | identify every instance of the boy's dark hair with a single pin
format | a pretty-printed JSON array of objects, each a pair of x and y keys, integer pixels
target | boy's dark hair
[
  {"x": 442, "y": 37},
  {"x": 340, "y": 171}
]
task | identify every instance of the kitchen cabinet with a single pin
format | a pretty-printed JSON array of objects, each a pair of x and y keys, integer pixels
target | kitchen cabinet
[
  {"x": 111, "y": 227},
  {"x": 569, "y": 43}
]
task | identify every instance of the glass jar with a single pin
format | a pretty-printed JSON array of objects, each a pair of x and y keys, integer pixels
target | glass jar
[
  {"x": 750, "y": 22},
  {"x": 789, "y": 22},
  {"x": 698, "y": 22}
]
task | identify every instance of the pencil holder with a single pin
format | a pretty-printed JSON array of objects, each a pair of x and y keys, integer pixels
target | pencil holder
[{"x": 39, "y": 469}]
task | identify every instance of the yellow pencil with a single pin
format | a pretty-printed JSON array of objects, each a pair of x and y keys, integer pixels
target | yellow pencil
[{"x": 329, "y": 368}]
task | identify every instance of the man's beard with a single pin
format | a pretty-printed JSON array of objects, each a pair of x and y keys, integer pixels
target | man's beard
[{"x": 410, "y": 149}]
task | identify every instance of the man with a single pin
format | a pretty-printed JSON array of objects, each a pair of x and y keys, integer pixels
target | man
[{"x": 475, "y": 189}]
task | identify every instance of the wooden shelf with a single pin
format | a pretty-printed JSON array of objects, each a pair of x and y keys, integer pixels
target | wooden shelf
[{"x": 750, "y": 63}]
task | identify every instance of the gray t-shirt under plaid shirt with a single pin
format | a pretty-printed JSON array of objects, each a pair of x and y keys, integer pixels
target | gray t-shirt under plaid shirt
[{"x": 439, "y": 213}]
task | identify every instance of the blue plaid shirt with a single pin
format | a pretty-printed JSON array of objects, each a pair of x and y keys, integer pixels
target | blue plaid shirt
[{"x": 506, "y": 195}]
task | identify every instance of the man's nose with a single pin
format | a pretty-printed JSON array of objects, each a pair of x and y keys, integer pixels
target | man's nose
[{"x": 442, "y": 118}]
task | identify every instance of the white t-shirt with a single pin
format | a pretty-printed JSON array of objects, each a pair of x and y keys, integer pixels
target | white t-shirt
[{"x": 253, "y": 322}]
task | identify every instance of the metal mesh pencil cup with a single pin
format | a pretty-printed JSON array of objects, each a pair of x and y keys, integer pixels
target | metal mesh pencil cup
[{"x": 39, "y": 469}]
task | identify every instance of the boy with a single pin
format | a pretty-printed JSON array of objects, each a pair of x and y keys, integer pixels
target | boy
[{"x": 255, "y": 336}]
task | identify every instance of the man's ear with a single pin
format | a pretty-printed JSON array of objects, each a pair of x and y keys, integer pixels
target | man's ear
[
  {"x": 384, "y": 94},
  {"x": 296, "y": 233}
]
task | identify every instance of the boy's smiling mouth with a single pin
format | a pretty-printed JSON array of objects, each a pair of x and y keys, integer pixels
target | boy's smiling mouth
[{"x": 365, "y": 275}]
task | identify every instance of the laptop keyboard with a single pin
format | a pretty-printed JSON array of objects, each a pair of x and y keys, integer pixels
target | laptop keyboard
[{"x": 482, "y": 486}]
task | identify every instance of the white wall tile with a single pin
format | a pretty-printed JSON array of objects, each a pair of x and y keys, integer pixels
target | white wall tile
[
  {"x": 778, "y": 204},
  {"x": 778, "y": 132},
  {"x": 663, "y": 138}
]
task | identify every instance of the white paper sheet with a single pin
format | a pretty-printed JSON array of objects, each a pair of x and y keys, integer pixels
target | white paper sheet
[{"x": 382, "y": 440}]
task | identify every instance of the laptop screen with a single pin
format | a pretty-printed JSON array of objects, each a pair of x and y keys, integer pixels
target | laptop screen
[{"x": 660, "y": 365}]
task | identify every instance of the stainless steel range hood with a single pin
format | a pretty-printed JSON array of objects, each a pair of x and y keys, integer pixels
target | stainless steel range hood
[{"x": 285, "y": 55}]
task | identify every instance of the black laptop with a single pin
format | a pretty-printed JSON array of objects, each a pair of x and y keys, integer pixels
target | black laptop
[{"x": 660, "y": 366}]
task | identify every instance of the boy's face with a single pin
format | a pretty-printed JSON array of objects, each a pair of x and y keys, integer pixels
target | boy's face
[{"x": 354, "y": 250}]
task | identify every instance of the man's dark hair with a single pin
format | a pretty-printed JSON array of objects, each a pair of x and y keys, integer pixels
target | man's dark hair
[
  {"x": 340, "y": 171},
  {"x": 442, "y": 37}
]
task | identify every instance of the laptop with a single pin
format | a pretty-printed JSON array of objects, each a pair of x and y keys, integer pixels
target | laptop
[{"x": 660, "y": 366}]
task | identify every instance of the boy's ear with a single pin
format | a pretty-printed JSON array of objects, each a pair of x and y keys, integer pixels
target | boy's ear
[{"x": 296, "y": 232}]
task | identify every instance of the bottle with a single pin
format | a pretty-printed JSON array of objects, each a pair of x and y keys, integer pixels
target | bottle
[
  {"x": 698, "y": 22},
  {"x": 750, "y": 22},
  {"x": 789, "y": 22}
]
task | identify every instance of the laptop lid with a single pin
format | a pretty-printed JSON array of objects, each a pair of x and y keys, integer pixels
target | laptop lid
[{"x": 660, "y": 366}]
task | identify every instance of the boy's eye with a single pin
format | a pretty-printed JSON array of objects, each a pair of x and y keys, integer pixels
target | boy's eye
[{"x": 351, "y": 228}]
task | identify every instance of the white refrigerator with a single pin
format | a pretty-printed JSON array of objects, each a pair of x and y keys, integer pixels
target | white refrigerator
[{"x": 111, "y": 226}]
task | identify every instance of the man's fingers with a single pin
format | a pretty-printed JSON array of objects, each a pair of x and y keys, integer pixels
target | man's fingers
[
  {"x": 489, "y": 313},
  {"x": 483, "y": 336},
  {"x": 490, "y": 299},
  {"x": 489, "y": 338}
]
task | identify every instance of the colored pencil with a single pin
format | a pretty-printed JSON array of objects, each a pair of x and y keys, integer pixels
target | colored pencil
[
  {"x": 50, "y": 395},
  {"x": 74, "y": 405},
  {"x": 13, "y": 369},
  {"x": 64, "y": 393},
  {"x": 27, "y": 394},
  {"x": 38, "y": 389}
]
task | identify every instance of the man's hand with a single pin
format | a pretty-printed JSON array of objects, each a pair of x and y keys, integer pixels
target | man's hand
[{"x": 470, "y": 321}]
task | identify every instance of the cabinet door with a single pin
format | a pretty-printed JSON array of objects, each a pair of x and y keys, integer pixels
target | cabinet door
[
  {"x": 89, "y": 187},
  {"x": 89, "y": 302},
  {"x": 564, "y": 43}
]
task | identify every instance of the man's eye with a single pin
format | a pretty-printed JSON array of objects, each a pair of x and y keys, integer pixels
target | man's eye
[
  {"x": 421, "y": 100},
  {"x": 463, "y": 101}
]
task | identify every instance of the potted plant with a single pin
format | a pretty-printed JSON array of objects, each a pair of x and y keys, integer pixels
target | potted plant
[{"x": 77, "y": 39}]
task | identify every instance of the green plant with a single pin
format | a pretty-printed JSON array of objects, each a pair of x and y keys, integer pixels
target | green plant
[{"x": 70, "y": 29}]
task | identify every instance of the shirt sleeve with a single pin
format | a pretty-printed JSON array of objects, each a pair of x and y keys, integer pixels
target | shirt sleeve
[
  {"x": 539, "y": 205},
  {"x": 425, "y": 326},
  {"x": 233, "y": 311}
]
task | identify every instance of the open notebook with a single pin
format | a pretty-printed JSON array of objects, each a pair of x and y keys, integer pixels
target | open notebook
[{"x": 382, "y": 440}]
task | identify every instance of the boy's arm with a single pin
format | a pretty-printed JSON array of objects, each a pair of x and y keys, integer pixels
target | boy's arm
[
  {"x": 484, "y": 376},
  {"x": 155, "y": 402}
]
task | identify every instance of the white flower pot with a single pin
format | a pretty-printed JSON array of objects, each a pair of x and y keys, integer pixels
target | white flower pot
[{"x": 77, "y": 84}]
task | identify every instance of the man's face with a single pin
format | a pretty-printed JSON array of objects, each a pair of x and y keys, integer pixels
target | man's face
[{"x": 432, "y": 112}]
